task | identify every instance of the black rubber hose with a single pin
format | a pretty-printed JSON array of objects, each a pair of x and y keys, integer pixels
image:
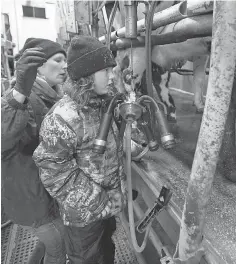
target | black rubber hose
[{"x": 148, "y": 34}]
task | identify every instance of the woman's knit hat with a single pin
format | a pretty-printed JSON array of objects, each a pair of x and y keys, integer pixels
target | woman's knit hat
[
  {"x": 87, "y": 55},
  {"x": 49, "y": 47}
]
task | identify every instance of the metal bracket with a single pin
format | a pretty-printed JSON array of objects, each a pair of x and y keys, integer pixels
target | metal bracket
[{"x": 160, "y": 204}]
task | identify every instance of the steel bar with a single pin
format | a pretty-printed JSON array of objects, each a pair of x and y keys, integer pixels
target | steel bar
[
  {"x": 223, "y": 59},
  {"x": 194, "y": 27},
  {"x": 94, "y": 25},
  {"x": 170, "y": 15}
]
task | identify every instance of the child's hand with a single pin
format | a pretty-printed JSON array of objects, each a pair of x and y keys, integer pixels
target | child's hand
[
  {"x": 117, "y": 199},
  {"x": 115, "y": 204},
  {"x": 106, "y": 210},
  {"x": 109, "y": 210}
]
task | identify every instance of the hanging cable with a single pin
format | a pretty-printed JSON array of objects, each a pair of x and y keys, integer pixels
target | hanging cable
[
  {"x": 149, "y": 48},
  {"x": 130, "y": 196},
  {"x": 110, "y": 22}
]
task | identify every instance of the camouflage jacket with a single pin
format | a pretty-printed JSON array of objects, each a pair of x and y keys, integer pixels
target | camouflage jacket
[{"x": 71, "y": 172}]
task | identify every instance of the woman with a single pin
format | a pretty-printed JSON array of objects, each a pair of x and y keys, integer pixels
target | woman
[{"x": 39, "y": 71}]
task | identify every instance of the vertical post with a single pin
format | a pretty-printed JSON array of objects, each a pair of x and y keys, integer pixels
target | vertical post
[
  {"x": 223, "y": 58},
  {"x": 94, "y": 26}
]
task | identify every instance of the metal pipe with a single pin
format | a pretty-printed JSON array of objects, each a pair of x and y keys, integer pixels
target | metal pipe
[
  {"x": 221, "y": 77},
  {"x": 131, "y": 19},
  {"x": 94, "y": 26},
  {"x": 188, "y": 28},
  {"x": 105, "y": 18},
  {"x": 165, "y": 17}
]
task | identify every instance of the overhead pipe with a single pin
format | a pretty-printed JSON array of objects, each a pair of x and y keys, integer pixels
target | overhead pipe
[
  {"x": 170, "y": 15},
  {"x": 219, "y": 90},
  {"x": 188, "y": 28},
  {"x": 131, "y": 18}
]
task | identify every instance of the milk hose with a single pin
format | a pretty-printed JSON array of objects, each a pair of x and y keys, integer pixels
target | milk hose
[{"x": 130, "y": 198}]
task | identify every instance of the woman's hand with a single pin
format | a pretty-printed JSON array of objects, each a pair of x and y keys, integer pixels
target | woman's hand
[{"x": 26, "y": 69}]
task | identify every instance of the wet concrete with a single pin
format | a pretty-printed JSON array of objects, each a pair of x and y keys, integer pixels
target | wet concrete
[{"x": 173, "y": 168}]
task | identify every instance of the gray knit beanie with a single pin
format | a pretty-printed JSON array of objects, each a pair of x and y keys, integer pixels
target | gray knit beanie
[{"x": 87, "y": 55}]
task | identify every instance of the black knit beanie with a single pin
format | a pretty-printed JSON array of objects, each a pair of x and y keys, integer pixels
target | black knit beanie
[
  {"x": 49, "y": 47},
  {"x": 87, "y": 55}
]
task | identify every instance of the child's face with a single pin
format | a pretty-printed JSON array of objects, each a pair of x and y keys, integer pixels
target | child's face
[{"x": 102, "y": 80}]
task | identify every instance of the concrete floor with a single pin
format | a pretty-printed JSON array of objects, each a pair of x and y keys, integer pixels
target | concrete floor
[{"x": 18, "y": 244}]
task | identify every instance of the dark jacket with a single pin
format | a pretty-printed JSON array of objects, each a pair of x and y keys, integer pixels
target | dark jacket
[{"x": 24, "y": 197}]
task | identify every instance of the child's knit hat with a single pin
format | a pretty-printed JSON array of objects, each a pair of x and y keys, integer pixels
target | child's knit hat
[{"x": 87, "y": 55}]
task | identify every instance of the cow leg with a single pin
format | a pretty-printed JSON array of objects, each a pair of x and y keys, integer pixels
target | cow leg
[
  {"x": 123, "y": 69},
  {"x": 161, "y": 84},
  {"x": 166, "y": 97},
  {"x": 199, "y": 81}
]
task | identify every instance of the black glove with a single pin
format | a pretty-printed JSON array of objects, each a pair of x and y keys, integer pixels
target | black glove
[{"x": 26, "y": 69}]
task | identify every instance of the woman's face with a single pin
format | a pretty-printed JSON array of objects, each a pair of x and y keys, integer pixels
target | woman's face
[
  {"x": 102, "y": 80},
  {"x": 54, "y": 69}
]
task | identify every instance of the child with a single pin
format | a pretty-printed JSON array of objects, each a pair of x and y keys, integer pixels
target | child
[{"x": 86, "y": 185}]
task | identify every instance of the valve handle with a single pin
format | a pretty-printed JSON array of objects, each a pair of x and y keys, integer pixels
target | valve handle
[{"x": 160, "y": 204}]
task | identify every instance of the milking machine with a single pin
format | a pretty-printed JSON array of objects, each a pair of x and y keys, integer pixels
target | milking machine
[{"x": 135, "y": 110}]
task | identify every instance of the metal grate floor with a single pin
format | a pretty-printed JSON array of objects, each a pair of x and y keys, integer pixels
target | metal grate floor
[{"x": 17, "y": 244}]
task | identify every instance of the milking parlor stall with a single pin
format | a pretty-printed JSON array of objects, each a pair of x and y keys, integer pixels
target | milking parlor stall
[
  {"x": 181, "y": 184},
  {"x": 175, "y": 77}
]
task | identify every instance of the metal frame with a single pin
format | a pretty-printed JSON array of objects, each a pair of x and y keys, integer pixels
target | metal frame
[{"x": 189, "y": 248}]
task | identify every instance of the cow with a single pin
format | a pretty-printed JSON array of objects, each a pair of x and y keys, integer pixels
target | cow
[{"x": 164, "y": 58}]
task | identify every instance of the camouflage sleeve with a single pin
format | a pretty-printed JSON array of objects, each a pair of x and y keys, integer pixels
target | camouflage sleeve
[
  {"x": 60, "y": 173},
  {"x": 18, "y": 125}
]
